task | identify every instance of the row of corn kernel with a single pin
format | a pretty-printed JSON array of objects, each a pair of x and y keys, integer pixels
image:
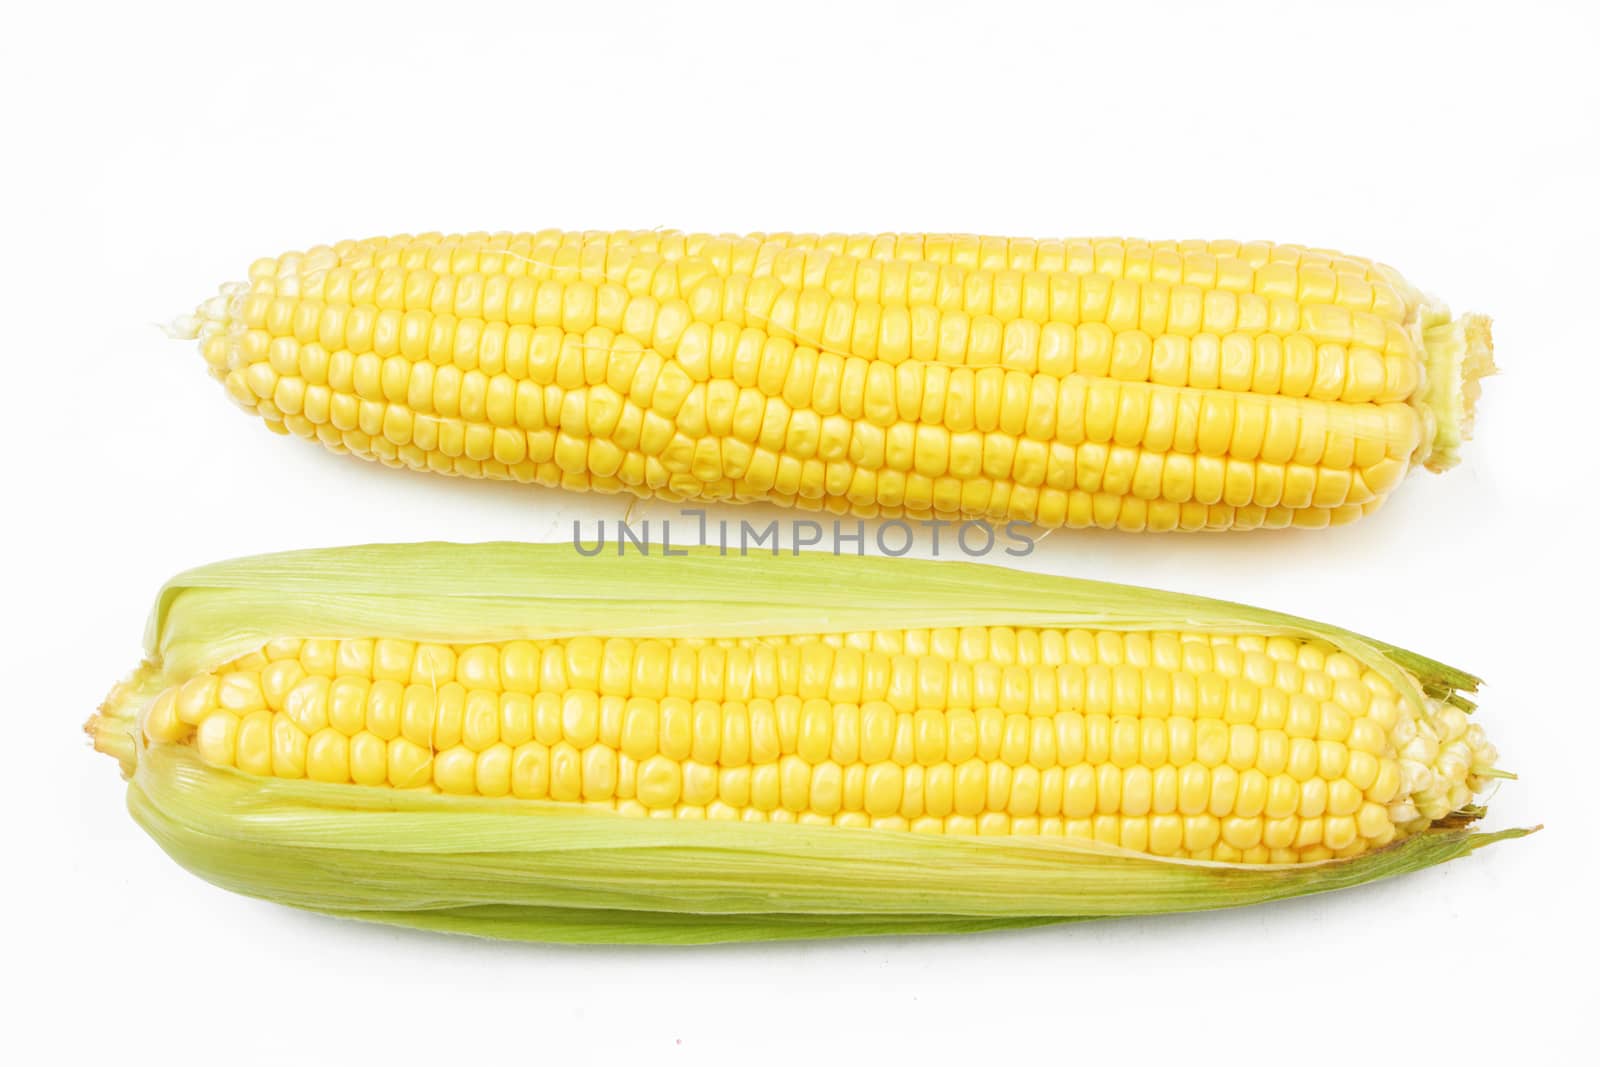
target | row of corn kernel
[
  {"x": 457, "y": 367},
  {"x": 1286, "y": 661},
  {"x": 920, "y": 398},
  {"x": 1294, "y": 735},
  {"x": 1308, "y": 353},
  {"x": 782, "y": 480},
  {"x": 592, "y": 252},
  {"x": 1007, "y": 292},
  {"x": 1074, "y": 409},
  {"x": 848, "y": 684},
  {"x": 1217, "y": 264},
  {"x": 261, "y": 743},
  {"x": 1246, "y": 810},
  {"x": 738, "y": 253},
  {"x": 1272, "y": 683},
  {"x": 1176, "y": 759},
  {"x": 1249, "y": 809},
  {"x": 935, "y": 328},
  {"x": 272, "y": 745},
  {"x": 893, "y": 495},
  {"x": 1215, "y": 719},
  {"x": 1136, "y": 427},
  {"x": 1198, "y": 837},
  {"x": 928, "y": 451},
  {"x": 894, "y": 289}
]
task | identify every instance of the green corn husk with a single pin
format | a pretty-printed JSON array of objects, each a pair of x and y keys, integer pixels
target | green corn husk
[{"x": 546, "y": 871}]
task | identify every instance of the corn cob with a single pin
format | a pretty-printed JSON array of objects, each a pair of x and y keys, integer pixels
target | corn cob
[
  {"x": 1113, "y": 383},
  {"x": 708, "y": 748}
]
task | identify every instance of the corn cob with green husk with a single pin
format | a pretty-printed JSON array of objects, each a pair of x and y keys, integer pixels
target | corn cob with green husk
[{"x": 509, "y": 741}]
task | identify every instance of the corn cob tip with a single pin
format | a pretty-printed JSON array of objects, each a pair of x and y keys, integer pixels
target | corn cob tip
[
  {"x": 114, "y": 737},
  {"x": 216, "y": 325},
  {"x": 1460, "y": 354},
  {"x": 181, "y": 327},
  {"x": 114, "y": 727}
]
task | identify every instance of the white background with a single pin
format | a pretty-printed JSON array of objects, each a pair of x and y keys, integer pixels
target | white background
[{"x": 154, "y": 150}]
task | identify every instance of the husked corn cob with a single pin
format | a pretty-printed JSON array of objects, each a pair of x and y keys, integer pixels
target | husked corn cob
[
  {"x": 1114, "y": 383},
  {"x": 1074, "y": 718}
]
